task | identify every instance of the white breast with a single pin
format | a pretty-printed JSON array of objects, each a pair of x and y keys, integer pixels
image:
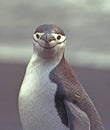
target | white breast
[{"x": 37, "y": 100}]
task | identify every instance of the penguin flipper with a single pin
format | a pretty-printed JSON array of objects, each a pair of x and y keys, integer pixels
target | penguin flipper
[{"x": 77, "y": 119}]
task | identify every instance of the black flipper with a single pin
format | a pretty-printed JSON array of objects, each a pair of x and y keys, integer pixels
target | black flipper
[{"x": 77, "y": 119}]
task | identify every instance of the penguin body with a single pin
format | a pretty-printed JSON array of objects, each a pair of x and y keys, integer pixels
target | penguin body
[
  {"x": 51, "y": 96},
  {"x": 37, "y": 96}
]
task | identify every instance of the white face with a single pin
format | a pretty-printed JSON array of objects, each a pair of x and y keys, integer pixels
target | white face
[
  {"x": 53, "y": 46},
  {"x": 59, "y": 39}
]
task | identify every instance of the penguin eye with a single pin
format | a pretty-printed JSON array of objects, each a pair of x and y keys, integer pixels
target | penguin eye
[
  {"x": 37, "y": 35},
  {"x": 58, "y": 37}
]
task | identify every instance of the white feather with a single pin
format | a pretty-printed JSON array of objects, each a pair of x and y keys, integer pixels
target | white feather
[{"x": 37, "y": 97}]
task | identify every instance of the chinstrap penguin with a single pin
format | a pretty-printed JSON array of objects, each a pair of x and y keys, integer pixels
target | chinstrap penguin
[{"x": 51, "y": 96}]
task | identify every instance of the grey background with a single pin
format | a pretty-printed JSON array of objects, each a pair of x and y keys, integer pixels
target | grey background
[{"x": 86, "y": 24}]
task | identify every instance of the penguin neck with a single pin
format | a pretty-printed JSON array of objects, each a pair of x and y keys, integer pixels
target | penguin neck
[{"x": 51, "y": 61}]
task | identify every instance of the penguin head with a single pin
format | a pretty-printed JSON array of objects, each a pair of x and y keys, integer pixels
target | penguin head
[{"x": 49, "y": 40}]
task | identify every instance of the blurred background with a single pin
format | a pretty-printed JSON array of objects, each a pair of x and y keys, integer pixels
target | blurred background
[{"x": 87, "y": 26}]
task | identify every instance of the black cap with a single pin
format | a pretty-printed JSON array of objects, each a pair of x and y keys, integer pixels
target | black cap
[{"x": 50, "y": 28}]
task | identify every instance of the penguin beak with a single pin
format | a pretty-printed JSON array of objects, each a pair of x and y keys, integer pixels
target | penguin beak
[
  {"x": 47, "y": 38},
  {"x": 46, "y": 41}
]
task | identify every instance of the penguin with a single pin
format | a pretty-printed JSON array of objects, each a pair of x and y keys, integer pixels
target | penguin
[{"x": 51, "y": 96}]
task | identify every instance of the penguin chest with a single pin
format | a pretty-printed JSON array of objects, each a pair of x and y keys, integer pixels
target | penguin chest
[{"x": 37, "y": 102}]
